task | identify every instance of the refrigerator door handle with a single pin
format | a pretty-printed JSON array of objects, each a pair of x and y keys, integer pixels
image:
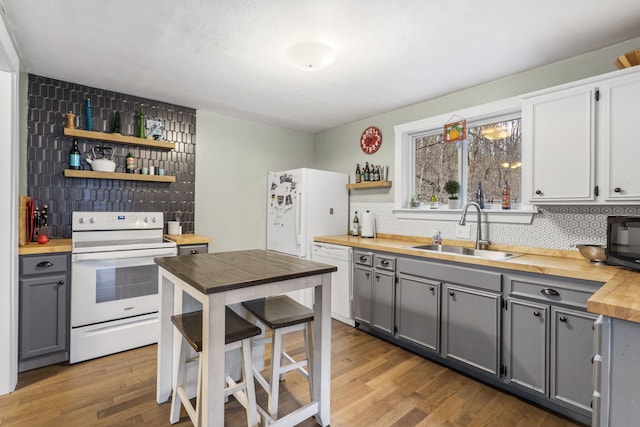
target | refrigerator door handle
[{"x": 303, "y": 252}]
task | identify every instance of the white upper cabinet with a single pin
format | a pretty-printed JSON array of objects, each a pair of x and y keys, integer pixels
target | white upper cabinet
[
  {"x": 578, "y": 142},
  {"x": 620, "y": 139},
  {"x": 559, "y": 130}
]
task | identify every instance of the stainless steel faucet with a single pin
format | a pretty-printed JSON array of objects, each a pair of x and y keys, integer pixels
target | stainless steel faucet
[{"x": 463, "y": 220}]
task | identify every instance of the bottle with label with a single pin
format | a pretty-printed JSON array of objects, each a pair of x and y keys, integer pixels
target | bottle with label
[
  {"x": 130, "y": 164},
  {"x": 355, "y": 225},
  {"x": 366, "y": 172},
  {"x": 480, "y": 196},
  {"x": 506, "y": 195},
  {"x": 358, "y": 173},
  {"x": 433, "y": 200},
  {"x": 376, "y": 173},
  {"x": 74, "y": 156}
]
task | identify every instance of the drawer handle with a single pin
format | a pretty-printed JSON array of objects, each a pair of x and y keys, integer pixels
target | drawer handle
[
  {"x": 194, "y": 252},
  {"x": 384, "y": 262},
  {"x": 536, "y": 313},
  {"x": 549, "y": 291},
  {"x": 363, "y": 258},
  {"x": 431, "y": 288},
  {"x": 44, "y": 264},
  {"x": 61, "y": 282},
  {"x": 368, "y": 274},
  {"x": 451, "y": 293},
  {"x": 377, "y": 277},
  {"x": 562, "y": 319},
  {"x": 538, "y": 192},
  {"x": 617, "y": 190}
]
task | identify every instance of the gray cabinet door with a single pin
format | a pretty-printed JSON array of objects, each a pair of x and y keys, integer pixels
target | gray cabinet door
[
  {"x": 526, "y": 335},
  {"x": 362, "y": 293},
  {"x": 571, "y": 353},
  {"x": 43, "y": 315},
  {"x": 418, "y": 311},
  {"x": 383, "y": 301},
  {"x": 471, "y": 327}
]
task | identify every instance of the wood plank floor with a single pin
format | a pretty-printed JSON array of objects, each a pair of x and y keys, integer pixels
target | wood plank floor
[{"x": 373, "y": 384}]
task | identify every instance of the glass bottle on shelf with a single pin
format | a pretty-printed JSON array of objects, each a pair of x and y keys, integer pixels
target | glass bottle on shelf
[
  {"x": 480, "y": 196},
  {"x": 433, "y": 200},
  {"x": 89, "y": 113},
  {"x": 130, "y": 164},
  {"x": 74, "y": 156},
  {"x": 140, "y": 125},
  {"x": 367, "y": 173},
  {"x": 358, "y": 173},
  {"x": 506, "y": 195}
]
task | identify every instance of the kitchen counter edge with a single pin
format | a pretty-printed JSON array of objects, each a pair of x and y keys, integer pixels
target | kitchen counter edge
[
  {"x": 618, "y": 297},
  {"x": 52, "y": 246}
]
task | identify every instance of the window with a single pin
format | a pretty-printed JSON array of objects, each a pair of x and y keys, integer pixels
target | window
[
  {"x": 423, "y": 162},
  {"x": 490, "y": 155}
]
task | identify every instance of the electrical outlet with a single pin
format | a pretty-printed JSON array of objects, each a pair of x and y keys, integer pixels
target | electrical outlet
[{"x": 463, "y": 231}]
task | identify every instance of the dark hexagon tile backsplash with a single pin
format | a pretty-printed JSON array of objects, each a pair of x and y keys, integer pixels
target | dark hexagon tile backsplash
[{"x": 48, "y": 154}]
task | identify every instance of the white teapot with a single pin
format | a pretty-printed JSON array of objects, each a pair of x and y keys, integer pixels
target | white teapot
[{"x": 102, "y": 159}]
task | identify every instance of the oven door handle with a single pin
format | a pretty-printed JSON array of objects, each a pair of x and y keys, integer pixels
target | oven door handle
[{"x": 142, "y": 253}]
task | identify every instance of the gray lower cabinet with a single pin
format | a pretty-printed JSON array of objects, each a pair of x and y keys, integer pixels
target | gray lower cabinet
[
  {"x": 373, "y": 291},
  {"x": 471, "y": 327},
  {"x": 383, "y": 300},
  {"x": 571, "y": 357},
  {"x": 549, "y": 340},
  {"x": 526, "y": 334},
  {"x": 43, "y": 310},
  {"x": 418, "y": 311},
  {"x": 362, "y": 286}
]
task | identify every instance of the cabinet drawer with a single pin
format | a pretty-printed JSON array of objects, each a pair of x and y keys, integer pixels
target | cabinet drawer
[
  {"x": 193, "y": 249},
  {"x": 363, "y": 258},
  {"x": 569, "y": 292},
  {"x": 43, "y": 264},
  {"x": 385, "y": 263}
]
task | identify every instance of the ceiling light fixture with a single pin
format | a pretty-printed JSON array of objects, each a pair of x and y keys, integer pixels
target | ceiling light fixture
[{"x": 311, "y": 56}]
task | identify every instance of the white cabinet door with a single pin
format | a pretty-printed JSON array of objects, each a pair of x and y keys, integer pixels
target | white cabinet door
[
  {"x": 559, "y": 145},
  {"x": 620, "y": 106}
]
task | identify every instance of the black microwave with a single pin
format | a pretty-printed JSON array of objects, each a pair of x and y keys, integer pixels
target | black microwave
[{"x": 623, "y": 241}]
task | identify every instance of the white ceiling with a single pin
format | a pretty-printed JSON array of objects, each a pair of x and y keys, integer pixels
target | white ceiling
[{"x": 227, "y": 56}]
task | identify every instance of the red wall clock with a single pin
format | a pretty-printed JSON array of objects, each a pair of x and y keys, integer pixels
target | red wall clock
[{"x": 370, "y": 140}]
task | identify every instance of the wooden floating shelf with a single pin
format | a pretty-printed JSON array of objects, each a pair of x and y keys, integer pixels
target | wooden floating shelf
[
  {"x": 119, "y": 139},
  {"x": 72, "y": 173},
  {"x": 370, "y": 184}
]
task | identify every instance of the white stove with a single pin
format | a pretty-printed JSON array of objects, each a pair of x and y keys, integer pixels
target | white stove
[{"x": 114, "y": 293}]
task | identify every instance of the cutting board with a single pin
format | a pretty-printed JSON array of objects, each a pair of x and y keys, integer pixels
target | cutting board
[{"x": 23, "y": 225}]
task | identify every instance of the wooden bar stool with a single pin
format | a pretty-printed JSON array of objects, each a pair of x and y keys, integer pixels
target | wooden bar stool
[
  {"x": 282, "y": 315},
  {"x": 238, "y": 334}
]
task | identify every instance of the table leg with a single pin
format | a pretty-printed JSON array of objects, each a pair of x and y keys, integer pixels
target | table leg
[
  {"x": 213, "y": 368},
  {"x": 322, "y": 350},
  {"x": 165, "y": 339}
]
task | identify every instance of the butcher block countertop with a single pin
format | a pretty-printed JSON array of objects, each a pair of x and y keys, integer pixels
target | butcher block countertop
[
  {"x": 619, "y": 297},
  {"x": 187, "y": 239},
  {"x": 52, "y": 246},
  {"x": 223, "y": 271}
]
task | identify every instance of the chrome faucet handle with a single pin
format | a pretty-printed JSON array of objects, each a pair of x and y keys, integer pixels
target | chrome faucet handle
[{"x": 484, "y": 243}]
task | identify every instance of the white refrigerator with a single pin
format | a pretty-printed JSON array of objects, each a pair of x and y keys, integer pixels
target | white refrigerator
[{"x": 302, "y": 204}]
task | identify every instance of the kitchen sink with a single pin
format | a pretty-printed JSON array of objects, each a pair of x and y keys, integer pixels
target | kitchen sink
[{"x": 459, "y": 250}]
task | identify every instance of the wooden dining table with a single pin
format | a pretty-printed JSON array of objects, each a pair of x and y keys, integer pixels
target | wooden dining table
[{"x": 220, "y": 279}]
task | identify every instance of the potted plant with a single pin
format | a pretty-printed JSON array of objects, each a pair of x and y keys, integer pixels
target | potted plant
[
  {"x": 415, "y": 202},
  {"x": 452, "y": 187}
]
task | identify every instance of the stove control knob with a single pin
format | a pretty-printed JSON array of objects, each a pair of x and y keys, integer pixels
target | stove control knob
[
  {"x": 81, "y": 220},
  {"x": 153, "y": 219},
  {"x": 92, "y": 221},
  {"x": 146, "y": 219}
]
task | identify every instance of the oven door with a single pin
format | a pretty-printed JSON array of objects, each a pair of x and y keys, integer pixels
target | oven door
[{"x": 114, "y": 285}]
